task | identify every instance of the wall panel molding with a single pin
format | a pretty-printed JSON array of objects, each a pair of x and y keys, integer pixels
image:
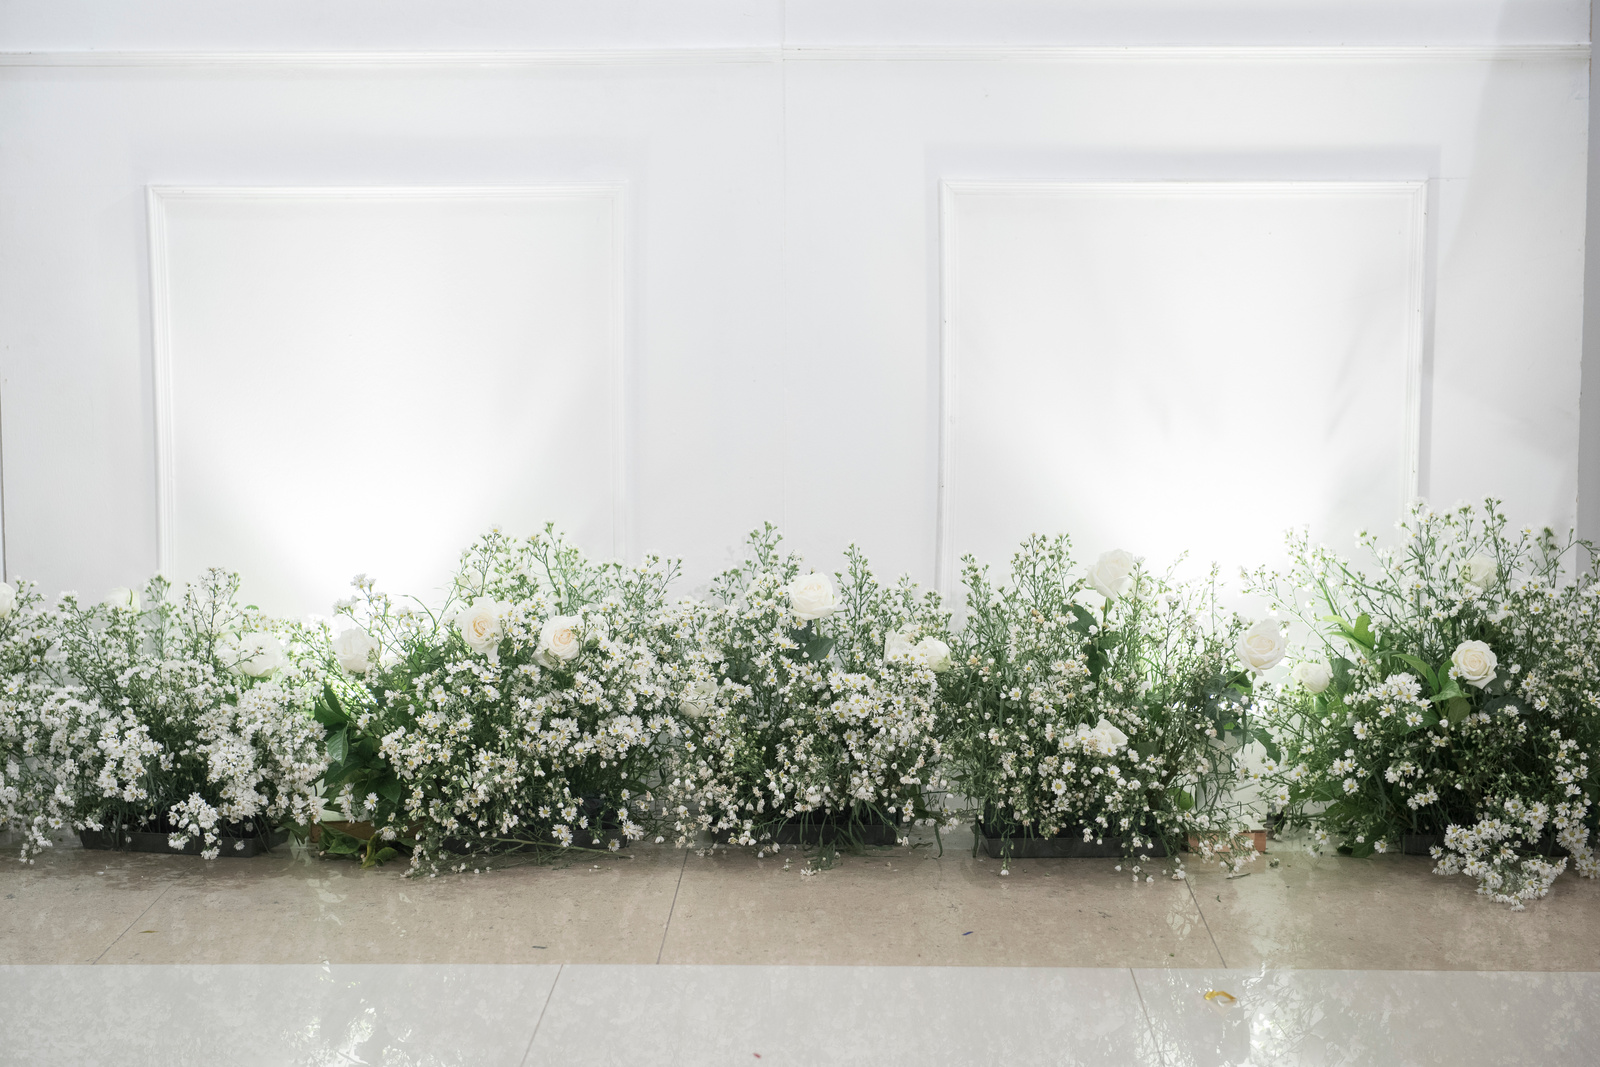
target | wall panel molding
[
  {"x": 1413, "y": 192},
  {"x": 357, "y": 60},
  {"x": 161, "y": 201}
]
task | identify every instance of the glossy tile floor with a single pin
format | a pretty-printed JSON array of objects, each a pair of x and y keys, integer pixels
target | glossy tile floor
[{"x": 659, "y": 956}]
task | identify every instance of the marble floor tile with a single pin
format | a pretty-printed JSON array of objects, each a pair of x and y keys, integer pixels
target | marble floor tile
[
  {"x": 307, "y": 910},
  {"x": 1382, "y": 1018},
  {"x": 910, "y": 907},
  {"x": 841, "y": 1015},
  {"x": 70, "y": 906},
  {"x": 175, "y": 1016},
  {"x": 1333, "y": 912}
]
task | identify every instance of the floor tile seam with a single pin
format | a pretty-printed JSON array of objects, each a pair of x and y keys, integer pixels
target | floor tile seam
[
  {"x": 1149, "y": 1023},
  {"x": 667, "y": 926},
  {"x": 1204, "y": 921},
  {"x": 135, "y": 922},
  {"x": 560, "y": 970}
]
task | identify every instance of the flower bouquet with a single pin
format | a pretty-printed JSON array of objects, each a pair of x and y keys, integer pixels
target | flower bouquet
[
  {"x": 527, "y": 713},
  {"x": 43, "y": 725},
  {"x": 808, "y": 710},
  {"x": 1083, "y": 732},
  {"x": 181, "y": 722},
  {"x": 1445, "y": 698}
]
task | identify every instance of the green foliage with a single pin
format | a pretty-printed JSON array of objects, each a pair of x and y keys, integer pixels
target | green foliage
[
  {"x": 1462, "y": 699},
  {"x": 1061, "y": 719}
]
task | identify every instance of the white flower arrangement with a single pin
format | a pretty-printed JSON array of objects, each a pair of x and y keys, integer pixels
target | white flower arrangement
[
  {"x": 154, "y": 716},
  {"x": 809, "y": 711},
  {"x": 42, "y": 725},
  {"x": 533, "y": 716},
  {"x": 1122, "y": 724},
  {"x": 1461, "y": 703},
  {"x": 1447, "y": 696}
]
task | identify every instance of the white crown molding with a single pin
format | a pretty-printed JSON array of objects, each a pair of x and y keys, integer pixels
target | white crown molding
[
  {"x": 1416, "y": 190},
  {"x": 158, "y": 197},
  {"x": 1187, "y": 53},
  {"x": 382, "y": 60},
  {"x": 1557, "y": 51}
]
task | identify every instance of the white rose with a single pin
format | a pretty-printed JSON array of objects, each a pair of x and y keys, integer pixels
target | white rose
[
  {"x": 1313, "y": 677},
  {"x": 123, "y": 598},
  {"x": 934, "y": 652},
  {"x": 899, "y": 646},
  {"x": 480, "y": 626},
  {"x": 1112, "y": 573},
  {"x": 1474, "y": 662},
  {"x": 1262, "y": 647},
  {"x": 1104, "y": 738},
  {"x": 8, "y": 599},
  {"x": 811, "y": 596},
  {"x": 354, "y": 648},
  {"x": 560, "y": 639},
  {"x": 1480, "y": 571},
  {"x": 260, "y": 654},
  {"x": 698, "y": 698}
]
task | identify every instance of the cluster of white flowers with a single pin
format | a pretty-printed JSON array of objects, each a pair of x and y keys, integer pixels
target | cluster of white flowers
[
  {"x": 1458, "y": 709},
  {"x": 1121, "y": 721},
  {"x": 43, "y": 726},
  {"x": 808, "y": 709},
  {"x": 145, "y": 714},
  {"x": 1449, "y": 696},
  {"x": 532, "y": 714}
]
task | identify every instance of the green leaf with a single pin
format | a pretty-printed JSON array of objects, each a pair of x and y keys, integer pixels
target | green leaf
[
  {"x": 1185, "y": 800},
  {"x": 1097, "y": 661},
  {"x": 1341, "y": 673},
  {"x": 1422, "y": 670},
  {"x": 1459, "y": 708},
  {"x": 339, "y": 745},
  {"x": 389, "y": 788},
  {"x": 1359, "y": 634},
  {"x": 1273, "y": 751},
  {"x": 818, "y": 649},
  {"x": 339, "y": 843},
  {"x": 328, "y": 711},
  {"x": 1450, "y": 692},
  {"x": 1361, "y": 849},
  {"x": 1083, "y": 620}
]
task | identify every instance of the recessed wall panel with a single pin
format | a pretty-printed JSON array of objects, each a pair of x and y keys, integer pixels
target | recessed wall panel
[
  {"x": 365, "y": 380},
  {"x": 1178, "y": 366}
]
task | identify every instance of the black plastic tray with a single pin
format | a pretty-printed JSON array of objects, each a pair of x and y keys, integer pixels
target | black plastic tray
[
  {"x": 827, "y": 832},
  {"x": 141, "y": 841},
  {"x": 1064, "y": 846}
]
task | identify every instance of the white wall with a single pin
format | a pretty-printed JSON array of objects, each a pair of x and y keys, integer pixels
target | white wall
[{"x": 781, "y": 167}]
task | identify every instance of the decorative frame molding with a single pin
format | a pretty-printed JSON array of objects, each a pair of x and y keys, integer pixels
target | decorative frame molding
[
  {"x": 159, "y": 197},
  {"x": 1416, "y": 190},
  {"x": 928, "y": 53}
]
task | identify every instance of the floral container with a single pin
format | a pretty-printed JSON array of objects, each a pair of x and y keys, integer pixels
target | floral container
[
  {"x": 827, "y": 828},
  {"x": 1420, "y": 844},
  {"x": 830, "y": 830},
  {"x": 1066, "y": 845},
  {"x": 148, "y": 841},
  {"x": 1423, "y": 844}
]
